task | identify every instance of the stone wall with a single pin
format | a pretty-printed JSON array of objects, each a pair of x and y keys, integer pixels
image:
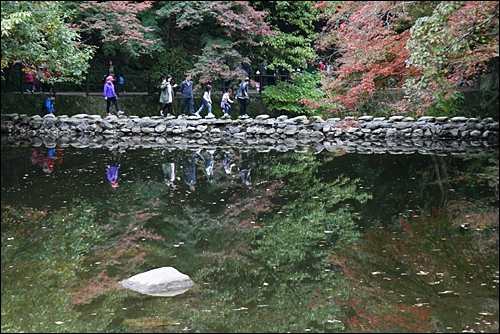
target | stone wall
[
  {"x": 364, "y": 134},
  {"x": 136, "y": 104}
]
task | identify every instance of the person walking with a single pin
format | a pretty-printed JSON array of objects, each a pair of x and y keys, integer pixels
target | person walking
[
  {"x": 110, "y": 96},
  {"x": 121, "y": 84},
  {"x": 243, "y": 97},
  {"x": 111, "y": 69},
  {"x": 206, "y": 102},
  {"x": 29, "y": 77},
  {"x": 186, "y": 90},
  {"x": 167, "y": 95},
  {"x": 39, "y": 79},
  {"x": 48, "y": 105},
  {"x": 224, "y": 104}
]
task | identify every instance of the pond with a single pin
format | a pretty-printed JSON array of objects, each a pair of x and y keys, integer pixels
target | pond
[{"x": 275, "y": 241}]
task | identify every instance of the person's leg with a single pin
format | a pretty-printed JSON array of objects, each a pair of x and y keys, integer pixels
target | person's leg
[
  {"x": 169, "y": 109},
  {"x": 209, "y": 107},
  {"x": 108, "y": 105},
  {"x": 115, "y": 102},
  {"x": 191, "y": 106},
  {"x": 201, "y": 108},
  {"x": 243, "y": 106},
  {"x": 200, "y": 155},
  {"x": 183, "y": 106}
]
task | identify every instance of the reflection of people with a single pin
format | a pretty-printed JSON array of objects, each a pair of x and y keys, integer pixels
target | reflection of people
[
  {"x": 48, "y": 160},
  {"x": 209, "y": 163},
  {"x": 245, "y": 170},
  {"x": 190, "y": 170},
  {"x": 169, "y": 168},
  {"x": 112, "y": 171},
  {"x": 228, "y": 163}
]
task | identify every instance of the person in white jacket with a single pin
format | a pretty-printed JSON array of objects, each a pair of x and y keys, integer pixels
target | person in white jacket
[
  {"x": 207, "y": 102},
  {"x": 224, "y": 104}
]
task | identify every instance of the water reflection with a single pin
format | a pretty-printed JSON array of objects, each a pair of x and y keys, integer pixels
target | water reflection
[
  {"x": 324, "y": 242},
  {"x": 47, "y": 159},
  {"x": 114, "y": 166}
]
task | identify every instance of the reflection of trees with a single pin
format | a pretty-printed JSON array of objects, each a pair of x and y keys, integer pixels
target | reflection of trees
[
  {"x": 425, "y": 275},
  {"x": 284, "y": 266},
  {"x": 277, "y": 271}
]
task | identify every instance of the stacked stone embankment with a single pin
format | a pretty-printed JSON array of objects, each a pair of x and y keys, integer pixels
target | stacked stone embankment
[{"x": 363, "y": 134}]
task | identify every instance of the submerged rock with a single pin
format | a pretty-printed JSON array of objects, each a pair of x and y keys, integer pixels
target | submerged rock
[{"x": 162, "y": 282}]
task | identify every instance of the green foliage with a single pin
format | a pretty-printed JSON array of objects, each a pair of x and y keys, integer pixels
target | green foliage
[
  {"x": 297, "y": 24},
  {"x": 286, "y": 258},
  {"x": 290, "y": 97},
  {"x": 210, "y": 68},
  {"x": 37, "y": 33},
  {"x": 453, "y": 106},
  {"x": 172, "y": 62},
  {"x": 449, "y": 47},
  {"x": 57, "y": 244}
]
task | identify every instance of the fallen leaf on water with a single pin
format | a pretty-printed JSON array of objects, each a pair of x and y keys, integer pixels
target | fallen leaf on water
[{"x": 240, "y": 309}]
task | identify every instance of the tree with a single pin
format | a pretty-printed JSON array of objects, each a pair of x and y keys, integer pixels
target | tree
[
  {"x": 298, "y": 24},
  {"x": 39, "y": 33},
  {"x": 118, "y": 27},
  {"x": 369, "y": 37},
  {"x": 216, "y": 31},
  {"x": 426, "y": 48},
  {"x": 293, "y": 97},
  {"x": 451, "y": 47}
]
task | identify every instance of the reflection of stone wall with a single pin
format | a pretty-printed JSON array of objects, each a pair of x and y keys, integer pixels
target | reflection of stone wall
[{"x": 363, "y": 134}]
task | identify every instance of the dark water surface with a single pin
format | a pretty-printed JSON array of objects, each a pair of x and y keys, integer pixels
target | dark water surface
[{"x": 287, "y": 242}]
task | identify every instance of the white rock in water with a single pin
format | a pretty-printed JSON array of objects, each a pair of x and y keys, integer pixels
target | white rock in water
[{"x": 163, "y": 282}]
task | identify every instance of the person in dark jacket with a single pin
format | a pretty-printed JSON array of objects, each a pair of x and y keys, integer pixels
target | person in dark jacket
[
  {"x": 190, "y": 170},
  {"x": 243, "y": 97},
  {"x": 186, "y": 90}
]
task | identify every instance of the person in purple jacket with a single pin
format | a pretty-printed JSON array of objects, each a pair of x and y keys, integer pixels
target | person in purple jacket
[
  {"x": 112, "y": 170},
  {"x": 110, "y": 96}
]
